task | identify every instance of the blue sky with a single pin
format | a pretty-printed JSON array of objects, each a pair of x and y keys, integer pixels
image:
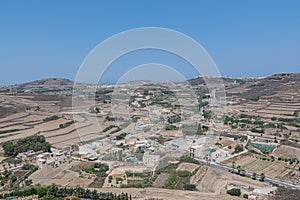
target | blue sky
[{"x": 40, "y": 39}]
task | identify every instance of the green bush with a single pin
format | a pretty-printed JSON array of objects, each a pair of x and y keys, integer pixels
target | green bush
[
  {"x": 29, "y": 167},
  {"x": 188, "y": 159},
  {"x": 171, "y": 127},
  {"x": 174, "y": 119},
  {"x": 184, "y": 173},
  {"x": 65, "y": 125},
  {"x": 189, "y": 187},
  {"x": 9, "y": 131},
  {"x": 234, "y": 192},
  {"x": 55, "y": 117},
  {"x": 238, "y": 149}
]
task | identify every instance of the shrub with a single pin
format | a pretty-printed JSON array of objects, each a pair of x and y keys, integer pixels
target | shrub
[
  {"x": 174, "y": 119},
  {"x": 184, "y": 173},
  {"x": 234, "y": 192},
  {"x": 188, "y": 159},
  {"x": 189, "y": 187},
  {"x": 171, "y": 127},
  {"x": 55, "y": 117},
  {"x": 274, "y": 118},
  {"x": 238, "y": 149},
  {"x": 29, "y": 167}
]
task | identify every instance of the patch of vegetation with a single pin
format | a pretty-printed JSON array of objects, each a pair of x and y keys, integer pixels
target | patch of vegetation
[
  {"x": 179, "y": 180},
  {"x": 241, "y": 138},
  {"x": 171, "y": 181},
  {"x": 99, "y": 169},
  {"x": 258, "y": 85},
  {"x": 207, "y": 115},
  {"x": 274, "y": 118},
  {"x": 94, "y": 109},
  {"x": 146, "y": 179},
  {"x": 254, "y": 130},
  {"x": 245, "y": 116},
  {"x": 121, "y": 136},
  {"x": 290, "y": 120},
  {"x": 54, "y": 192},
  {"x": 29, "y": 167},
  {"x": 65, "y": 125},
  {"x": 255, "y": 98},
  {"x": 55, "y": 117},
  {"x": 34, "y": 143},
  {"x": 234, "y": 192},
  {"x": 5, "y": 177},
  {"x": 188, "y": 159},
  {"x": 203, "y": 104},
  {"x": 263, "y": 147},
  {"x": 12, "y": 160},
  {"x": 109, "y": 128},
  {"x": 111, "y": 119},
  {"x": 171, "y": 127},
  {"x": 238, "y": 148},
  {"x": 174, "y": 119},
  {"x": 9, "y": 131},
  {"x": 190, "y": 187}
]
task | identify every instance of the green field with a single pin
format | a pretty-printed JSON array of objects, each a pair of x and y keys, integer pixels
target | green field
[{"x": 263, "y": 147}]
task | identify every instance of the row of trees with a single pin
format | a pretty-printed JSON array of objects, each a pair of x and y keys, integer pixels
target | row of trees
[
  {"x": 53, "y": 192},
  {"x": 242, "y": 172}
]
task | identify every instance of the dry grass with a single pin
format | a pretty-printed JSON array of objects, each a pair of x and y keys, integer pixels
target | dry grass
[
  {"x": 187, "y": 167},
  {"x": 287, "y": 152}
]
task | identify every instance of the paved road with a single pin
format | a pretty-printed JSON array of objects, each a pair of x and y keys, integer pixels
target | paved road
[
  {"x": 12, "y": 169},
  {"x": 233, "y": 170}
]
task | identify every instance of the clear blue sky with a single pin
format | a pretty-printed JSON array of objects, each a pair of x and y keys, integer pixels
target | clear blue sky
[{"x": 40, "y": 39}]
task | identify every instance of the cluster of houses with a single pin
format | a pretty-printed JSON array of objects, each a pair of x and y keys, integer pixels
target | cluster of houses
[{"x": 43, "y": 159}]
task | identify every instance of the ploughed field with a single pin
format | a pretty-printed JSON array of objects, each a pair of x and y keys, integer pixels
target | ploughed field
[{"x": 34, "y": 115}]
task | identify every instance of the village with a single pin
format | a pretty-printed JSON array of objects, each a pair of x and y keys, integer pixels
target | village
[{"x": 147, "y": 139}]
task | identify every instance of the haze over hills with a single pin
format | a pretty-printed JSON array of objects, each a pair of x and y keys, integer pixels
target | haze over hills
[
  {"x": 51, "y": 82},
  {"x": 260, "y": 85}
]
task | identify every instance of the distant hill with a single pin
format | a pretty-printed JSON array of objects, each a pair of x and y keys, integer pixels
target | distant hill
[
  {"x": 243, "y": 87},
  {"x": 265, "y": 87},
  {"x": 43, "y": 85}
]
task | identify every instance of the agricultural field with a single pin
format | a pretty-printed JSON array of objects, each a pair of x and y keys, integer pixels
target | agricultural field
[
  {"x": 61, "y": 175},
  {"x": 276, "y": 169},
  {"x": 287, "y": 152},
  {"x": 263, "y": 147}
]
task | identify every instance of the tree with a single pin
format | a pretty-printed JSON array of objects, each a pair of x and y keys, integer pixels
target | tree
[
  {"x": 254, "y": 175},
  {"x": 262, "y": 177},
  {"x": 239, "y": 168},
  {"x": 13, "y": 178},
  {"x": 238, "y": 149}
]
